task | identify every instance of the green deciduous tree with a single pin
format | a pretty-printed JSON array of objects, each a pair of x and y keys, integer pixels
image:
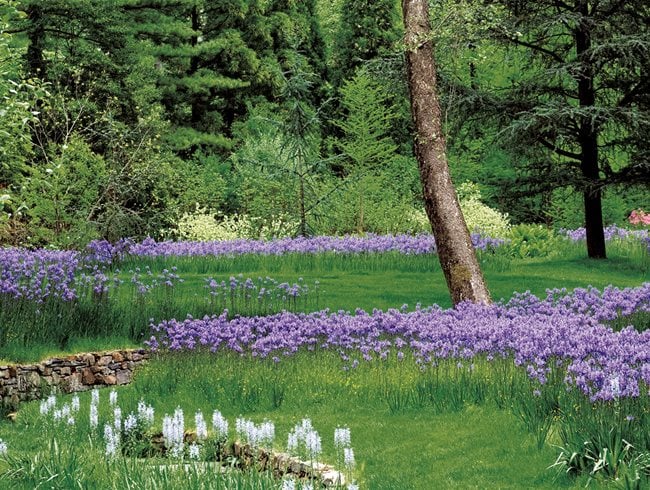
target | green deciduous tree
[{"x": 15, "y": 107}]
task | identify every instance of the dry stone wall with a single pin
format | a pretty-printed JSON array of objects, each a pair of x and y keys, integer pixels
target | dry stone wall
[{"x": 78, "y": 372}]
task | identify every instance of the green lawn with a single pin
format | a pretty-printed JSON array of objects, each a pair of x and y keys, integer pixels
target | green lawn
[{"x": 390, "y": 280}]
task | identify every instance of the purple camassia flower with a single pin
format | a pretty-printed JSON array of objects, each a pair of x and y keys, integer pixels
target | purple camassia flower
[
  {"x": 559, "y": 331},
  {"x": 405, "y": 244},
  {"x": 39, "y": 274},
  {"x": 612, "y": 232},
  {"x": 105, "y": 252}
]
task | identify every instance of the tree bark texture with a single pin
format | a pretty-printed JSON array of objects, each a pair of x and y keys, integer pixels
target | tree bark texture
[
  {"x": 588, "y": 137},
  {"x": 36, "y": 36},
  {"x": 455, "y": 251}
]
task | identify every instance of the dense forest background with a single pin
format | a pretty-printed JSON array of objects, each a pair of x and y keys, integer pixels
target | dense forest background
[{"x": 260, "y": 118}]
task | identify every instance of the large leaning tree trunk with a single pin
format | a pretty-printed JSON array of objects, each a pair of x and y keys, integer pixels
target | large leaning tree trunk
[{"x": 455, "y": 251}]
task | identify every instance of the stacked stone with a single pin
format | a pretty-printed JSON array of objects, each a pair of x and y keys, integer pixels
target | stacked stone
[
  {"x": 68, "y": 374},
  {"x": 283, "y": 464}
]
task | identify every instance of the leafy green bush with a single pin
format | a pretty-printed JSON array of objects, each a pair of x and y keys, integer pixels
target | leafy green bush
[
  {"x": 60, "y": 194},
  {"x": 17, "y": 96},
  {"x": 533, "y": 241},
  {"x": 204, "y": 180},
  {"x": 382, "y": 206}
]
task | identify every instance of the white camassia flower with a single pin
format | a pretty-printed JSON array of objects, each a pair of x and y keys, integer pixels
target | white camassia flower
[
  {"x": 194, "y": 451},
  {"x": 219, "y": 424},
  {"x": 288, "y": 484},
  {"x": 174, "y": 432},
  {"x": 145, "y": 413},
  {"x": 201, "y": 426},
  {"x": 348, "y": 457},
  {"x": 292, "y": 442},
  {"x": 48, "y": 404},
  {"x": 313, "y": 444},
  {"x": 266, "y": 433},
  {"x": 74, "y": 405},
  {"x": 255, "y": 435},
  {"x": 94, "y": 397},
  {"x": 94, "y": 416},
  {"x": 131, "y": 422},
  {"x": 112, "y": 439},
  {"x": 342, "y": 437},
  {"x": 117, "y": 413}
]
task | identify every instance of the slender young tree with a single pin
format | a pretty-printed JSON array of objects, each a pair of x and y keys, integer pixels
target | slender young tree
[
  {"x": 455, "y": 251},
  {"x": 300, "y": 129},
  {"x": 366, "y": 144}
]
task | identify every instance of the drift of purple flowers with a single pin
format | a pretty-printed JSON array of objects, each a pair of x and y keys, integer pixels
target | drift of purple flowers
[
  {"x": 611, "y": 232},
  {"x": 370, "y": 243},
  {"x": 65, "y": 275},
  {"x": 40, "y": 274},
  {"x": 561, "y": 331}
]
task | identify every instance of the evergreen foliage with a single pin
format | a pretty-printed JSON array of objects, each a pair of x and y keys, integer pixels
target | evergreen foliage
[
  {"x": 297, "y": 28},
  {"x": 581, "y": 98},
  {"x": 119, "y": 117},
  {"x": 366, "y": 144},
  {"x": 196, "y": 51},
  {"x": 369, "y": 29},
  {"x": 366, "y": 124}
]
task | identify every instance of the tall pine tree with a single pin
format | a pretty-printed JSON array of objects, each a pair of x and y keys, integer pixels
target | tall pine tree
[
  {"x": 297, "y": 27},
  {"x": 195, "y": 60}
]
